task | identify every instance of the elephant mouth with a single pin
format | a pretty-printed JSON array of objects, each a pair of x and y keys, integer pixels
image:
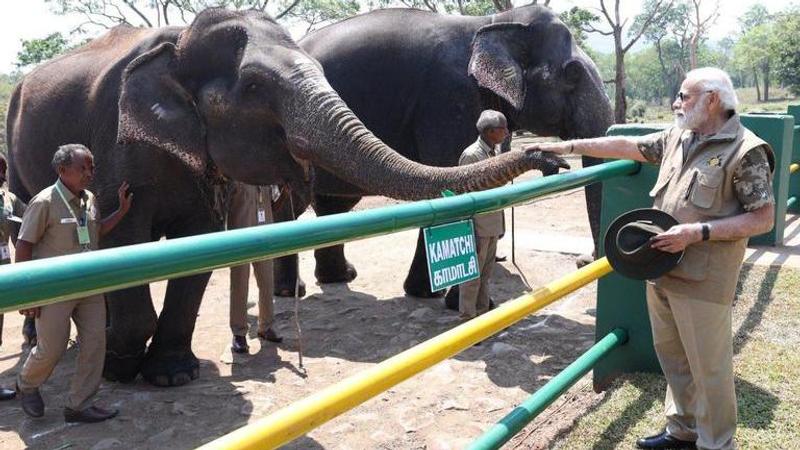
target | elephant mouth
[{"x": 300, "y": 153}]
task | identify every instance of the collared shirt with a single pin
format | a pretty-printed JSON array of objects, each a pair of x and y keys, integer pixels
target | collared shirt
[
  {"x": 10, "y": 206},
  {"x": 752, "y": 181},
  {"x": 52, "y": 228},
  {"x": 489, "y": 224}
]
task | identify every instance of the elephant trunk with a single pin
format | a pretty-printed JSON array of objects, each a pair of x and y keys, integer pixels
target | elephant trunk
[
  {"x": 591, "y": 111},
  {"x": 322, "y": 128}
]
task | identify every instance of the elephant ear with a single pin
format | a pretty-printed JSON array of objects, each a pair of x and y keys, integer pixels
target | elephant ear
[
  {"x": 155, "y": 109},
  {"x": 495, "y": 60}
]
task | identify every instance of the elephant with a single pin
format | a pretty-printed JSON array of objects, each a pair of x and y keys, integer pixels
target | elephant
[
  {"x": 176, "y": 111},
  {"x": 419, "y": 80}
]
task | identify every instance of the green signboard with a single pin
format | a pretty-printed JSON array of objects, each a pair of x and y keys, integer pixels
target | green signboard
[{"x": 451, "y": 254}]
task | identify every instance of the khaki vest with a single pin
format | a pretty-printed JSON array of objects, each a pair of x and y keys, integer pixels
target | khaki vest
[
  {"x": 699, "y": 190},
  {"x": 489, "y": 224}
]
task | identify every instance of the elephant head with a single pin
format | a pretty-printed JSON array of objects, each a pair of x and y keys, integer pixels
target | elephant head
[
  {"x": 236, "y": 93},
  {"x": 528, "y": 58}
]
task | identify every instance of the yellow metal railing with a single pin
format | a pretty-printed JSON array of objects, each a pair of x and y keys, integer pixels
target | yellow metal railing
[{"x": 304, "y": 415}]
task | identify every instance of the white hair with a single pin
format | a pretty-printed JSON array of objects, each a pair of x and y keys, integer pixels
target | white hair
[
  {"x": 717, "y": 80},
  {"x": 491, "y": 119}
]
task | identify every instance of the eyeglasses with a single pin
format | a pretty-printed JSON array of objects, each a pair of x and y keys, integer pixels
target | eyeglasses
[{"x": 684, "y": 97}]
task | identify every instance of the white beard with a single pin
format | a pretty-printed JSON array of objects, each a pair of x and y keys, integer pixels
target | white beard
[{"x": 690, "y": 119}]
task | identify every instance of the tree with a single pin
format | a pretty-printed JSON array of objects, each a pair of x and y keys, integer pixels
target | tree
[
  {"x": 700, "y": 27},
  {"x": 35, "y": 51},
  {"x": 755, "y": 51},
  {"x": 656, "y": 9},
  {"x": 153, "y": 13},
  {"x": 314, "y": 12},
  {"x": 787, "y": 53}
]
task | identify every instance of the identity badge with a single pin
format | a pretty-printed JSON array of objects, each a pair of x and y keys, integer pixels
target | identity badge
[
  {"x": 5, "y": 254},
  {"x": 83, "y": 235},
  {"x": 262, "y": 216}
]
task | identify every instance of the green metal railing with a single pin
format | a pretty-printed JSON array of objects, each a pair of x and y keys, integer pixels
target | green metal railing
[
  {"x": 51, "y": 280},
  {"x": 523, "y": 414}
]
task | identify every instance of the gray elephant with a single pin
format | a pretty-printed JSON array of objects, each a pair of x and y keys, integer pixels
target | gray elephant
[
  {"x": 175, "y": 110},
  {"x": 419, "y": 80}
]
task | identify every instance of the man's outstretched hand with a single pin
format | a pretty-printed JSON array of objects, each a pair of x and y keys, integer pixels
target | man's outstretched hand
[{"x": 547, "y": 162}]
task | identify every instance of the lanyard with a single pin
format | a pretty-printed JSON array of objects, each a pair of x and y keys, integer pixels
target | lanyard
[{"x": 69, "y": 207}]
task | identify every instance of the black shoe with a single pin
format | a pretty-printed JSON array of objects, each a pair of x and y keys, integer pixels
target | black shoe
[
  {"x": 92, "y": 414},
  {"x": 7, "y": 394},
  {"x": 239, "y": 345},
  {"x": 32, "y": 403},
  {"x": 500, "y": 259},
  {"x": 663, "y": 440},
  {"x": 270, "y": 335}
]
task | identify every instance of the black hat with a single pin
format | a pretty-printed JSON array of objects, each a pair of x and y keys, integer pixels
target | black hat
[{"x": 627, "y": 244}]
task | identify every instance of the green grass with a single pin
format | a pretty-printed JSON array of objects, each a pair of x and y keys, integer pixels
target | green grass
[{"x": 767, "y": 365}]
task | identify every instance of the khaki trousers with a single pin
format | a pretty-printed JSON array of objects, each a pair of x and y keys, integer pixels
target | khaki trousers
[
  {"x": 240, "y": 280},
  {"x": 694, "y": 344},
  {"x": 243, "y": 212},
  {"x": 473, "y": 296},
  {"x": 52, "y": 329}
]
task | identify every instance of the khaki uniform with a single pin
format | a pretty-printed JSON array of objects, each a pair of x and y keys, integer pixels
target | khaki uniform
[
  {"x": 52, "y": 229},
  {"x": 703, "y": 179},
  {"x": 249, "y": 206},
  {"x": 473, "y": 297},
  {"x": 10, "y": 206}
]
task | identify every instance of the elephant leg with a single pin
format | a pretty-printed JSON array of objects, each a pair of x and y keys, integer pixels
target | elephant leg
[
  {"x": 418, "y": 283},
  {"x": 286, "y": 268},
  {"x": 332, "y": 266},
  {"x": 131, "y": 315},
  {"x": 170, "y": 360},
  {"x": 594, "y": 203}
]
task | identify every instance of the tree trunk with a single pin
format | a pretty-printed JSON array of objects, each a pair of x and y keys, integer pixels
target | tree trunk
[
  {"x": 665, "y": 85},
  {"x": 766, "y": 81},
  {"x": 693, "y": 52},
  {"x": 620, "y": 104},
  {"x": 755, "y": 82}
]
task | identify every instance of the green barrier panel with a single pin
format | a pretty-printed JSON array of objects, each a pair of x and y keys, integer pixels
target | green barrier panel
[
  {"x": 621, "y": 301},
  {"x": 47, "y": 281},
  {"x": 511, "y": 424},
  {"x": 778, "y": 131},
  {"x": 794, "y": 180}
]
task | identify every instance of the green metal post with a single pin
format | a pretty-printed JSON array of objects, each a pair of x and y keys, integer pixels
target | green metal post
[
  {"x": 778, "y": 131},
  {"x": 51, "y": 280},
  {"x": 511, "y": 424},
  {"x": 620, "y": 300},
  {"x": 794, "y": 180}
]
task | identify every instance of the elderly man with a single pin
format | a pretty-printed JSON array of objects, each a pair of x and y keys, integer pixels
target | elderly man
[
  {"x": 473, "y": 297},
  {"x": 63, "y": 219},
  {"x": 715, "y": 179}
]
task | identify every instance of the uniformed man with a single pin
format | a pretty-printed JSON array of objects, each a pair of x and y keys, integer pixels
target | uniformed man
[
  {"x": 248, "y": 206},
  {"x": 473, "y": 297},
  {"x": 11, "y": 209},
  {"x": 62, "y": 220},
  {"x": 715, "y": 178}
]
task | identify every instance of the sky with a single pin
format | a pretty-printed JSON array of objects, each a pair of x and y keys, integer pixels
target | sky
[{"x": 30, "y": 19}]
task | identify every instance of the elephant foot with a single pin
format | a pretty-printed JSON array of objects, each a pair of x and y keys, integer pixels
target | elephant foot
[
  {"x": 175, "y": 369},
  {"x": 344, "y": 274},
  {"x": 286, "y": 289},
  {"x": 122, "y": 368}
]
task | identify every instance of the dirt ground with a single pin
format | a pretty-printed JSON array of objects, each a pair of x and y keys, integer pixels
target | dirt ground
[{"x": 346, "y": 328}]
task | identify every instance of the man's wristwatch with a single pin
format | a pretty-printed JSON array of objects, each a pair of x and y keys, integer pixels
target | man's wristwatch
[{"x": 706, "y": 230}]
